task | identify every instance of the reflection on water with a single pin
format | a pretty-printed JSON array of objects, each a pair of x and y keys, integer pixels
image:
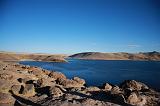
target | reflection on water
[{"x": 97, "y": 72}]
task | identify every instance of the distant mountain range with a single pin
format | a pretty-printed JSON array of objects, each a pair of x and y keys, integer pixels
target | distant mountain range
[
  {"x": 11, "y": 56},
  {"x": 118, "y": 56}
]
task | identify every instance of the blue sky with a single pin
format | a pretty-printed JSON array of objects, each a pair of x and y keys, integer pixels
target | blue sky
[{"x": 71, "y": 26}]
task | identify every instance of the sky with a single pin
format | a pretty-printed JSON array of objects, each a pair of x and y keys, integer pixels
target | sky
[{"x": 73, "y": 26}]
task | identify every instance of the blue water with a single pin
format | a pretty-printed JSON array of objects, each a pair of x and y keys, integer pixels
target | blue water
[{"x": 97, "y": 72}]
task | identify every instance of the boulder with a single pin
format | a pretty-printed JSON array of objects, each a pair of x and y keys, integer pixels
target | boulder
[
  {"x": 115, "y": 90},
  {"x": 79, "y": 80},
  {"x": 60, "y": 80},
  {"x": 55, "y": 91},
  {"x": 135, "y": 99},
  {"x": 107, "y": 87},
  {"x": 42, "y": 82},
  {"x": 29, "y": 90},
  {"x": 76, "y": 82},
  {"x": 57, "y": 75},
  {"x": 132, "y": 99},
  {"x": 38, "y": 72},
  {"x": 92, "y": 89},
  {"x": 133, "y": 85},
  {"x": 70, "y": 83}
]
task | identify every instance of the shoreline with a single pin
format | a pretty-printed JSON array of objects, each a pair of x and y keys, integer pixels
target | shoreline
[
  {"x": 36, "y": 85},
  {"x": 111, "y": 60},
  {"x": 157, "y": 88}
]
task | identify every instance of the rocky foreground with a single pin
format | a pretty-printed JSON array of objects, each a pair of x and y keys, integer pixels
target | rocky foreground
[{"x": 25, "y": 85}]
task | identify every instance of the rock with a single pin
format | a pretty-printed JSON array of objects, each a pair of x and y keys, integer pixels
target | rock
[
  {"x": 79, "y": 80},
  {"x": 89, "y": 102},
  {"x": 6, "y": 98},
  {"x": 55, "y": 91},
  {"x": 71, "y": 83},
  {"x": 133, "y": 85},
  {"x": 62, "y": 103},
  {"x": 27, "y": 66},
  {"x": 76, "y": 82},
  {"x": 60, "y": 80},
  {"x": 38, "y": 72},
  {"x": 107, "y": 87},
  {"x": 23, "y": 66},
  {"x": 38, "y": 98},
  {"x": 4, "y": 68},
  {"x": 42, "y": 82},
  {"x": 25, "y": 80},
  {"x": 93, "y": 102},
  {"x": 29, "y": 90},
  {"x": 57, "y": 75},
  {"x": 77, "y": 89},
  {"x": 42, "y": 97},
  {"x": 16, "y": 89},
  {"x": 142, "y": 102},
  {"x": 116, "y": 90},
  {"x": 92, "y": 89},
  {"x": 23, "y": 71},
  {"x": 119, "y": 98},
  {"x": 134, "y": 99},
  {"x": 46, "y": 71},
  {"x": 68, "y": 96},
  {"x": 6, "y": 76}
]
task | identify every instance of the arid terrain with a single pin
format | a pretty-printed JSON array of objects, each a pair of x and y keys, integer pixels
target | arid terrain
[
  {"x": 9, "y": 56},
  {"x": 117, "y": 56},
  {"x": 25, "y": 85}
]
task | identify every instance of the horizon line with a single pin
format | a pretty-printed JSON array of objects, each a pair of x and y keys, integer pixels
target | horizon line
[{"x": 3, "y": 51}]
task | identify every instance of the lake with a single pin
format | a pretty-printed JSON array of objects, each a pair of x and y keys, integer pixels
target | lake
[{"x": 98, "y": 72}]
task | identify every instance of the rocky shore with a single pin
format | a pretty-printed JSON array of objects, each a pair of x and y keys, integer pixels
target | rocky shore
[{"x": 22, "y": 85}]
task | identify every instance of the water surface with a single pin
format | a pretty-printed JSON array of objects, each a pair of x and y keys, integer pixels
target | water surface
[{"x": 97, "y": 72}]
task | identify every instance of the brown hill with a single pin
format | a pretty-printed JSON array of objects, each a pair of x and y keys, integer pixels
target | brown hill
[
  {"x": 117, "y": 56},
  {"x": 5, "y": 56}
]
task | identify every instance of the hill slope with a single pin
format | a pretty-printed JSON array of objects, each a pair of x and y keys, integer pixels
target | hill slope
[
  {"x": 5, "y": 56},
  {"x": 117, "y": 56}
]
